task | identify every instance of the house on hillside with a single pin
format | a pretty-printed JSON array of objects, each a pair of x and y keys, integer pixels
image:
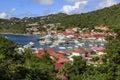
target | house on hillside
[
  {"x": 32, "y": 30},
  {"x": 76, "y": 52},
  {"x": 104, "y": 28},
  {"x": 33, "y": 24}
]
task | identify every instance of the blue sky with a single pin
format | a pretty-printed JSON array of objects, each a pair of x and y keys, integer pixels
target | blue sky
[{"x": 32, "y": 8}]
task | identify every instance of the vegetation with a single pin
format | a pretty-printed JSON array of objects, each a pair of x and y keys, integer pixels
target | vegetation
[
  {"x": 26, "y": 66},
  {"x": 15, "y": 66},
  {"x": 108, "y": 70},
  {"x": 108, "y": 16}
]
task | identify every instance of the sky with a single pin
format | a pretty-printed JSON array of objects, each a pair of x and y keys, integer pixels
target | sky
[{"x": 33, "y": 8}]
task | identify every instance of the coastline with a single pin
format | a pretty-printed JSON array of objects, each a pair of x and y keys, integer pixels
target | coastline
[{"x": 17, "y": 34}]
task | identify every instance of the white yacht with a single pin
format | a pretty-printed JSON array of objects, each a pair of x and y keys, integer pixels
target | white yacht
[{"x": 62, "y": 47}]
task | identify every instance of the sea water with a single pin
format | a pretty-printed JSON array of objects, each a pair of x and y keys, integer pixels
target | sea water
[{"x": 22, "y": 39}]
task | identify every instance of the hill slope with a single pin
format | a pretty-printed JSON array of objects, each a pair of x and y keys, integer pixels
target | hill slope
[{"x": 109, "y": 16}]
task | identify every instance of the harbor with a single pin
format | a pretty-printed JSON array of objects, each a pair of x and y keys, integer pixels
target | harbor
[
  {"x": 59, "y": 43},
  {"x": 67, "y": 44},
  {"x": 62, "y": 46}
]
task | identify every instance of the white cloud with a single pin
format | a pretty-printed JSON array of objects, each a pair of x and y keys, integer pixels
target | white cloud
[
  {"x": 7, "y": 15},
  {"x": 75, "y": 9},
  {"x": 4, "y": 15},
  {"x": 81, "y": 5},
  {"x": 13, "y": 9},
  {"x": 106, "y": 3},
  {"x": 44, "y": 2}
]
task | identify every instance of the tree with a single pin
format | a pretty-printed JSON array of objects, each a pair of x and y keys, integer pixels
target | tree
[{"x": 25, "y": 66}]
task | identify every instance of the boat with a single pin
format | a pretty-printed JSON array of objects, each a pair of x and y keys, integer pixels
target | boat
[
  {"x": 62, "y": 47},
  {"x": 29, "y": 45},
  {"x": 34, "y": 50},
  {"x": 69, "y": 47},
  {"x": 52, "y": 46},
  {"x": 47, "y": 41}
]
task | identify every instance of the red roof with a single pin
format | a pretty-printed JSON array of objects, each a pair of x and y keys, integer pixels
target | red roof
[
  {"x": 53, "y": 54},
  {"x": 58, "y": 66},
  {"x": 50, "y": 50},
  {"x": 38, "y": 55},
  {"x": 67, "y": 34},
  {"x": 62, "y": 77},
  {"x": 40, "y": 51},
  {"x": 101, "y": 49},
  {"x": 60, "y": 53},
  {"x": 78, "y": 51},
  {"x": 62, "y": 60}
]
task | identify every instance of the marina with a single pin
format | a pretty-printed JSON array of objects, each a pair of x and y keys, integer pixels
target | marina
[{"x": 59, "y": 43}]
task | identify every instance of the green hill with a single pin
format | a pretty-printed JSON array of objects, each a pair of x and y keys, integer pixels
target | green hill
[{"x": 109, "y": 16}]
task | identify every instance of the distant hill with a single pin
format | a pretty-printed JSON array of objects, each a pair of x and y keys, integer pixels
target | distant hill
[
  {"x": 3, "y": 21},
  {"x": 109, "y": 16}
]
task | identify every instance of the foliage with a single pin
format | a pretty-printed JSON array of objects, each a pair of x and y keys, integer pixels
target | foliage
[{"x": 26, "y": 66}]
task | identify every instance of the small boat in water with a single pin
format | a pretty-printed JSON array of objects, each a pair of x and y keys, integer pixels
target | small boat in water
[
  {"x": 69, "y": 47},
  {"x": 29, "y": 45},
  {"x": 62, "y": 47}
]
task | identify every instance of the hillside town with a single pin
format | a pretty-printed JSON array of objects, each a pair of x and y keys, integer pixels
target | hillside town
[{"x": 62, "y": 46}]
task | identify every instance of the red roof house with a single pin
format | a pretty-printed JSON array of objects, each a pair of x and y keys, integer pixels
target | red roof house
[
  {"x": 37, "y": 55},
  {"x": 41, "y": 51},
  {"x": 79, "y": 51},
  {"x": 62, "y": 60},
  {"x": 58, "y": 66}
]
